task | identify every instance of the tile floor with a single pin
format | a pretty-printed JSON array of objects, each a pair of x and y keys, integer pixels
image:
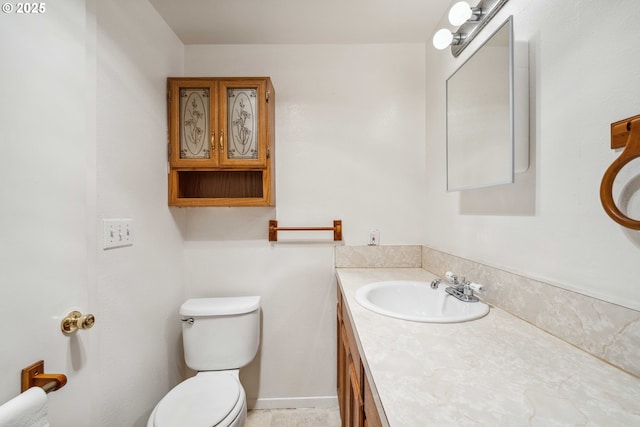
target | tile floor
[{"x": 300, "y": 417}]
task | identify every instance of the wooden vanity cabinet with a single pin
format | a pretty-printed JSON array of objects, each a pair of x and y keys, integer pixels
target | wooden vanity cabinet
[
  {"x": 221, "y": 141},
  {"x": 371, "y": 415},
  {"x": 357, "y": 408}
]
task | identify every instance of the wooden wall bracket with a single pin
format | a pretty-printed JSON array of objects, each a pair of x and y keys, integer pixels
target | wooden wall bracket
[
  {"x": 34, "y": 376},
  {"x": 624, "y": 134},
  {"x": 273, "y": 229}
]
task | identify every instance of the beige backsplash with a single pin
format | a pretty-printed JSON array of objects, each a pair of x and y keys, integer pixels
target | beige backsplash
[
  {"x": 607, "y": 331},
  {"x": 379, "y": 256}
]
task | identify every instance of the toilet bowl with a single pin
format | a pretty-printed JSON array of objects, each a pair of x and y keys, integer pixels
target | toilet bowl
[
  {"x": 220, "y": 335},
  {"x": 208, "y": 399}
]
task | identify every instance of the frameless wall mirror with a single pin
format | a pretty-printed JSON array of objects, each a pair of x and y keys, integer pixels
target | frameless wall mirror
[{"x": 487, "y": 115}]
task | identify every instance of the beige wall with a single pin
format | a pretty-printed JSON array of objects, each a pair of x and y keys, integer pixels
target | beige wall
[
  {"x": 136, "y": 290},
  {"x": 550, "y": 224},
  {"x": 83, "y": 124},
  {"x": 349, "y": 145}
]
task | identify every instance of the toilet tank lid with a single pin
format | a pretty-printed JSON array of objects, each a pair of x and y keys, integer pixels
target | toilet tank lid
[{"x": 219, "y": 306}]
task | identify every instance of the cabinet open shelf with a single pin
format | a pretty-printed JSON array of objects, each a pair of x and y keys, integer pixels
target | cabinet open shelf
[
  {"x": 221, "y": 188},
  {"x": 220, "y": 184}
]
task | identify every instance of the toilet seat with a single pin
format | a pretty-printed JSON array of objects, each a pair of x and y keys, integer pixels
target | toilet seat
[{"x": 206, "y": 400}]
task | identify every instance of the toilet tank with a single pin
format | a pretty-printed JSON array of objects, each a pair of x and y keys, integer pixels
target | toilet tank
[{"x": 224, "y": 333}]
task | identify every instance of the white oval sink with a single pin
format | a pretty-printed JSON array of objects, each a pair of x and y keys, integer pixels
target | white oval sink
[{"x": 416, "y": 301}]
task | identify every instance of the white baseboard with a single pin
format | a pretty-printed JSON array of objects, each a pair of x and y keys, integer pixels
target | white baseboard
[{"x": 293, "y": 402}]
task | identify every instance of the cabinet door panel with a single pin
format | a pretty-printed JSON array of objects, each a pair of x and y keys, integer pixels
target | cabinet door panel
[
  {"x": 242, "y": 124},
  {"x": 243, "y": 121},
  {"x": 195, "y": 126},
  {"x": 355, "y": 397},
  {"x": 192, "y": 123},
  {"x": 356, "y": 405},
  {"x": 341, "y": 353},
  {"x": 353, "y": 346},
  {"x": 371, "y": 416}
]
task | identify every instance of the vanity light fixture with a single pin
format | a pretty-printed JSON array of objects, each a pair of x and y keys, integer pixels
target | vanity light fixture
[
  {"x": 443, "y": 38},
  {"x": 461, "y": 12},
  {"x": 471, "y": 20}
]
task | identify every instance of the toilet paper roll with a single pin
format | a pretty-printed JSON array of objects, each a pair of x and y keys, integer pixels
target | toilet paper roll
[{"x": 28, "y": 409}]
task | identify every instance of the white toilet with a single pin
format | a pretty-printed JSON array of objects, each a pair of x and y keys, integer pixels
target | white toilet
[{"x": 219, "y": 335}]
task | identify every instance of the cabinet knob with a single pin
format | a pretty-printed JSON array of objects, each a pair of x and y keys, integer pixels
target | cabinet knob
[
  {"x": 213, "y": 140},
  {"x": 221, "y": 140}
]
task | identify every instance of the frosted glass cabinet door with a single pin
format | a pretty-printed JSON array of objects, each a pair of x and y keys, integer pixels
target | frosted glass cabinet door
[
  {"x": 243, "y": 133},
  {"x": 242, "y": 124},
  {"x": 192, "y": 123},
  {"x": 195, "y": 126}
]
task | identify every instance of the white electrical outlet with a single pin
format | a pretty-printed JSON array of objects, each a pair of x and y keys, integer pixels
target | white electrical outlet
[
  {"x": 117, "y": 233},
  {"x": 374, "y": 237}
]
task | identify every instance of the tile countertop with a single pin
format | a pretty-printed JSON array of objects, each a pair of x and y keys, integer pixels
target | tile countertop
[{"x": 494, "y": 371}]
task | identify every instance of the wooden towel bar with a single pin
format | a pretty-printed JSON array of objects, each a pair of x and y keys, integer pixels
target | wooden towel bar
[
  {"x": 273, "y": 230},
  {"x": 624, "y": 134}
]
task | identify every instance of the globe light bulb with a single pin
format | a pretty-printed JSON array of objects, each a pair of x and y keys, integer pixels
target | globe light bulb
[
  {"x": 442, "y": 38},
  {"x": 460, "y": 13}
]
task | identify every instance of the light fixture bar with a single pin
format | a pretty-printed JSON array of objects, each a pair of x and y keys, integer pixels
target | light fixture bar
[{"x": 470, "y": 29}]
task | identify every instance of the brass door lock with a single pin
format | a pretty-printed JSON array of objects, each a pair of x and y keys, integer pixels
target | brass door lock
[{"x": 76, "y": 320}]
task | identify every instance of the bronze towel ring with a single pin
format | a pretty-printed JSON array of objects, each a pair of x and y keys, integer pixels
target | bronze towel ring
[{"x": 625, "y": 133}]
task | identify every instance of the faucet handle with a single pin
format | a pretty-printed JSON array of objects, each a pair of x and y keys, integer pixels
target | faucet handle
[
  {"x": 451, "y": 277},
  {"x": 476, "y": 287}
]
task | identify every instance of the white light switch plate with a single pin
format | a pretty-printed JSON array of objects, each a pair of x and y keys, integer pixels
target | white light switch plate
[{"x": 117, "y": 233}]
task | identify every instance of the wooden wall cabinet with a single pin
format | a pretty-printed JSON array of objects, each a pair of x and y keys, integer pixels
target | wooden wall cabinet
[
  {"x": 221, "y": 141},
  {"x": 357, "y": 407}
]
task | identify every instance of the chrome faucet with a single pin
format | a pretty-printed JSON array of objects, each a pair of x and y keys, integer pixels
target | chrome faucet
[{"x": 462, "y": 290}]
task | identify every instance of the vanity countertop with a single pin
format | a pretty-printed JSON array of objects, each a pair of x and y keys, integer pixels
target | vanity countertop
[{"x": 495, "y": 371}]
